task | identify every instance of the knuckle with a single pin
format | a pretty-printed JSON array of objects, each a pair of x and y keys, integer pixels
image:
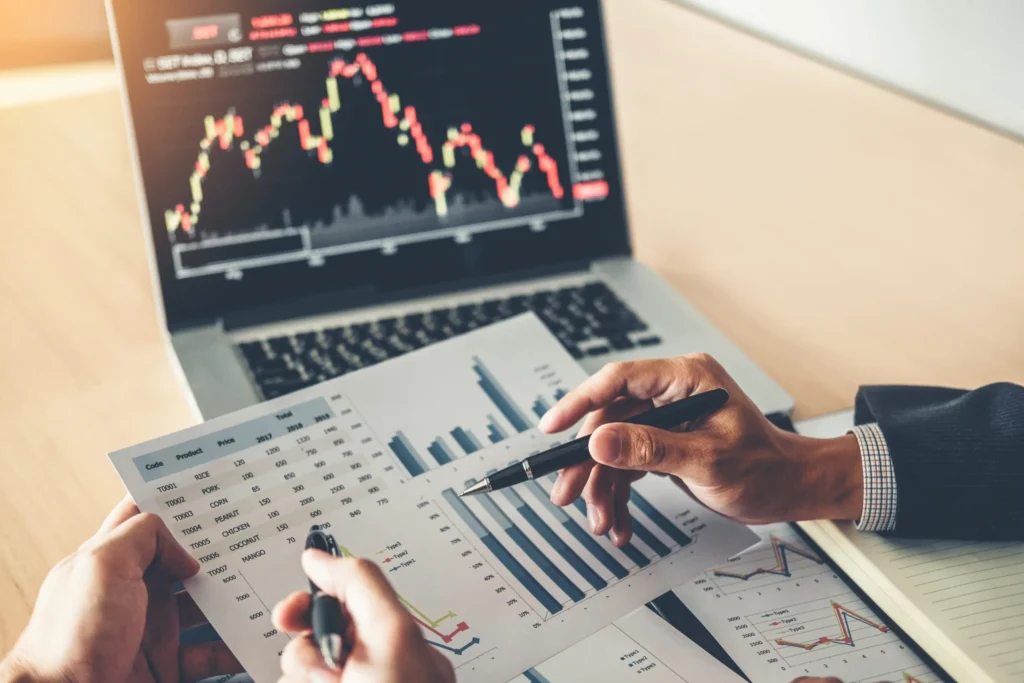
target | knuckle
[
  {"x": 149, "y": 522},
  {"x": 647, "y": 449}
]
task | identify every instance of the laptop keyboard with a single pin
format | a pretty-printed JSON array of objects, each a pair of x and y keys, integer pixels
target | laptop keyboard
[{"x": 589, "y": 320}]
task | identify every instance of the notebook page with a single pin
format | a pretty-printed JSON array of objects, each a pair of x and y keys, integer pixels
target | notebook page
[{"x": 974, "y": 592}]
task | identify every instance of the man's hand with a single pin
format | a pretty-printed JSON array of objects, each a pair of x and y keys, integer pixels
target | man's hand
[
  {"x": 388, "y": 646},
  {"x": 108, "y": 613},
  {"x": 734, "y": 461}
]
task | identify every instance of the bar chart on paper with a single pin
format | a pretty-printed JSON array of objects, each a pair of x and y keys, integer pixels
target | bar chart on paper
[
  {"x": 496, "y": 583},
  {"x": 469, "y": 400},
  {"x": 549, "y": 550}
]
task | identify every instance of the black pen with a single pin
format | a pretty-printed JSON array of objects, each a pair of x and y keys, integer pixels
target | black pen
[
  {"x": 577, "y": 451},
  {"x": 326, "y": 614}
]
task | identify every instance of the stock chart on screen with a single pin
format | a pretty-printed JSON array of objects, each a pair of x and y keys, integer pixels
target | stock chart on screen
[{"x": 300, "y": 131}]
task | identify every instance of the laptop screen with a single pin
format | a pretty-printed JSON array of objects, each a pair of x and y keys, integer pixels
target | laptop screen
[{"x": 307, "y": 147}]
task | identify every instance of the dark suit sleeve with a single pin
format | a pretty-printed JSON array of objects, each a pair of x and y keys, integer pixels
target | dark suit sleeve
[{"x": 958, "y": 458}]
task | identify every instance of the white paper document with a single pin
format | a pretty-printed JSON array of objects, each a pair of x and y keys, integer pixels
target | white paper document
[
  {"x": 498, "y": 583},
  {"x": 780, "y": 613},
  {"x": 640, "y": 644}
]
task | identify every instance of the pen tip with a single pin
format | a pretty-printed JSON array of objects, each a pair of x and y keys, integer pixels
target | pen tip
[{"x": 477, "y": 488}]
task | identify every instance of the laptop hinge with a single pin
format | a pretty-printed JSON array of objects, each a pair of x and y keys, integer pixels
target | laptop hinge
[{"x": 349, "y": 299}]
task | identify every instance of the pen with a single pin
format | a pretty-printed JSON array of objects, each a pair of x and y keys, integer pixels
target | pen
[
  {"x": 325, "y": 612},
  {"x": 575, "y": 452}
]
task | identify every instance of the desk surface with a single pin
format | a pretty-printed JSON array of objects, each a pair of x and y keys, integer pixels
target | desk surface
[{"x": 839, "y": 233}]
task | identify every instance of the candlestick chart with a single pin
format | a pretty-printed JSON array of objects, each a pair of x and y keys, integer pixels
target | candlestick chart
[{"x": 228, "y": 133}]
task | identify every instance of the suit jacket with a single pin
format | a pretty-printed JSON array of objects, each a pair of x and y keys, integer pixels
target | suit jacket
[{"x": 958, "y": 457}]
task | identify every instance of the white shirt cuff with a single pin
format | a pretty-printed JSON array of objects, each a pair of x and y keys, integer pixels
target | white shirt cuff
[{"x": 879, "y": 512}]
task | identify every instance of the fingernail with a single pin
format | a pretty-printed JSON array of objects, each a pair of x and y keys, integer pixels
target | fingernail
[
  {"x": 546, "y": 420},
  {"x": 608, "y": 445},
  {"x": 616, "y": 538},
  {"x": 556, "y": 491},
  {"x": 593, "y": 518}
]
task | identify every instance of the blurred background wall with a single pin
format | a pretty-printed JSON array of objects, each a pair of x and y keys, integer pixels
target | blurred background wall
[
  {"x": 964, "y": 55},
  {"x": 52, "y": 31}
]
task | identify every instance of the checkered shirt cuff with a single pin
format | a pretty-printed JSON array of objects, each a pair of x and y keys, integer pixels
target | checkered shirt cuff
[{"x": 879, "y": 480}]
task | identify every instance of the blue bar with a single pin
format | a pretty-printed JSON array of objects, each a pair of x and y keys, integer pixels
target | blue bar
[
  {"x": 559, "y": 393},
  {"x": 629, "y": 550},
  {"x": 475, "y": 441},
  {"x": 585, "y": 538},
  {"x": 504, "y": 556},
  {"x": 652, "y": 541},
  {"x": 500, "y": 397},
  {"x": 493, "y": 435},
  {"x": 538, "y": 409},
  {"x": 535, "y": 676},
  {"x": 552, "y": 539},
  {"x": 666, "y": 525},
  {"x": 498, "y": 429},
  {"x": 407, "y": 454},
  {"x": 465, "y": 440},
  {"x": 440, "y": 452},
  {"x": 540, "y": 406},
  {"x": 531, "y": 550}
]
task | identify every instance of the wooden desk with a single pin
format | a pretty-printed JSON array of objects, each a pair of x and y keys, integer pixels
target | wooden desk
[{"x": 838, "y": 232}]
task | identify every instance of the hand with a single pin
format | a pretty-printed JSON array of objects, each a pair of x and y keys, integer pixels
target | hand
[
  {"x": 388, "y": 647},
  {"x": 108, "y": 613},
  {"x": 733, "y": 461}
]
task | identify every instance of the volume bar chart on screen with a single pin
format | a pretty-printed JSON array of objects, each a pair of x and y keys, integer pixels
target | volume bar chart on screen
[{"x": 326, "y": 137}]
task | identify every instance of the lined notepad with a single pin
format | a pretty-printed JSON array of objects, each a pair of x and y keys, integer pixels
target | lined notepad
[{"x": 963, "y": 602}]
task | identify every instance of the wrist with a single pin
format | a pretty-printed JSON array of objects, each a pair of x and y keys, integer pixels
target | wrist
[{"x": 833, "y": 482}]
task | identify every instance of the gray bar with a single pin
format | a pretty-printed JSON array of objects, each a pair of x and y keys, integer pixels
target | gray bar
[
  {"x": 465, "y": 513},
  {"x": 205, "y": 449},
  {"x": 493, "y": 510}
]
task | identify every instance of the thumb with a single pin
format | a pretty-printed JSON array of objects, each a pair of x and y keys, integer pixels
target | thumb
[
  {"x": 379, "y": 617},
  {"x": 635, "y": 447}
]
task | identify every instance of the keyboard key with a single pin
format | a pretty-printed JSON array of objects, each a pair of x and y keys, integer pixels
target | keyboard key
[
  {"x": 621, "y": 343},
  {"x": 576, "y": 315}
]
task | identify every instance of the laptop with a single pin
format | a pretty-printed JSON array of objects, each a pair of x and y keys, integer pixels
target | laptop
[{"x": 326, "y": 186}]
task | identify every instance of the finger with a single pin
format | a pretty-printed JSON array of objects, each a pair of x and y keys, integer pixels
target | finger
[
  {"x": 641, "y": 380},
  {"x": 617, "y": 411},
  {"x": 635, "y": 447},
  {"x": 301, "y": 658},
  {"x": 622, "y": 527},
  {"x": 198, "y": 662},
  {"x": 292, "y": 613},
  {"x": 142, "y": 541},
  {"x": 600, "y": 502},
  {"x": 379, "y": 618},
  {"x": 189, "y": 614},
  {"x": 570, "y": 483},
  {"x": 122, "y": 512}
]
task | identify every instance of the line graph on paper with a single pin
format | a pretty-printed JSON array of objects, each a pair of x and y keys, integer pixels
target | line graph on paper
[
  {"x": 777, "y": 560},
  {"x": 818, "y": 630},
  {"x": 914, "y": 674}
]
